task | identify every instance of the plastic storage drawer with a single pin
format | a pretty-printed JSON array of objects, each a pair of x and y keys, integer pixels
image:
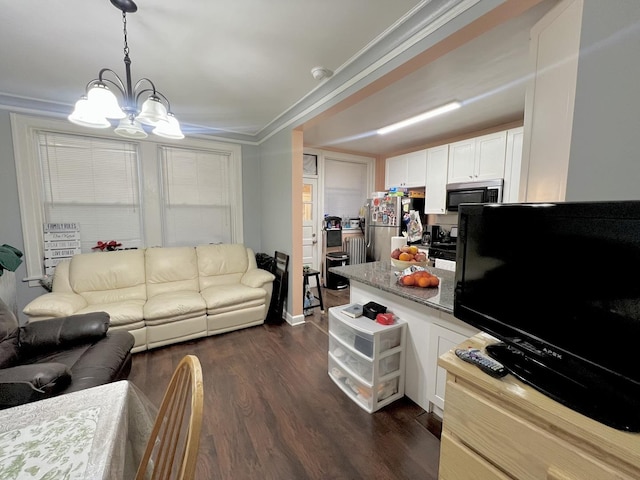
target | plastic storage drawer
[
  {"x": 360, "y": 365},
  {"x": 369, "y": 398},
  {"x": 363, "y": 342}
]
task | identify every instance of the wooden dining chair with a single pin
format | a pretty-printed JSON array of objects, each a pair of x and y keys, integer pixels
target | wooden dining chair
[{"x": 172, "y": 448}]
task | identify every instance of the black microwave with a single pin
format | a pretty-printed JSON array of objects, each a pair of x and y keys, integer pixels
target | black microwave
[{"x": 487, "y": 191}]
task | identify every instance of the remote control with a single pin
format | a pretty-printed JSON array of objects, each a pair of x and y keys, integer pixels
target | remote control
[{"x": 482, "y": 361}]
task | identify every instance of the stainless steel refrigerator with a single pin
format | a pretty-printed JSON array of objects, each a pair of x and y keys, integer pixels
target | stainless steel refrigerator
[{"x": 385, "y": 220}]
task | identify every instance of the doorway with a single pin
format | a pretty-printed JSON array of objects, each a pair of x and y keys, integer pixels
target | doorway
[{"x": 309, "y": 224}]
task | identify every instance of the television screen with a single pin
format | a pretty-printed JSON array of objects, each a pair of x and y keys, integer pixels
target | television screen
[{"x": 557, "y": 283}]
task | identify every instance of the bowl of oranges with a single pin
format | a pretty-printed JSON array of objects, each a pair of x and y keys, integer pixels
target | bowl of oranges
[
  {"x": 407, "y": 256},
  {"x": 419, "y": 278}
]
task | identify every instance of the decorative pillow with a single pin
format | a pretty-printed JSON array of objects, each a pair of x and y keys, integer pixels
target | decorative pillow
[{"x": 9, "y": 330}]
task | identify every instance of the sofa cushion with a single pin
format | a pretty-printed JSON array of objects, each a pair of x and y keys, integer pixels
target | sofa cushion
[
  {"x": 171, "y": 269},
  {"x": 55, "y": 305},
  {"x": 9, "y": 332},
  {"x": 232, "y": 296},
  {"x": 173, "y": 306},
  {"x": 129, "y": 312},
  {"x": 109, "y": 277},
  {"x": 222, "y": 264}
]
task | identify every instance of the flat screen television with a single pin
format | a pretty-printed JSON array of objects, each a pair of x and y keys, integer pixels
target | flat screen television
[{"x": 559, "y": 285}]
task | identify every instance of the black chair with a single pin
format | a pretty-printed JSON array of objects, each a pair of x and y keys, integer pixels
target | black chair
[{"x": 280, "y": 288}]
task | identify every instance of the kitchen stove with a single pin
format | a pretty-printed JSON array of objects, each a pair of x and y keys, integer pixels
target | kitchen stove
[{"x": 443, "y": 250}]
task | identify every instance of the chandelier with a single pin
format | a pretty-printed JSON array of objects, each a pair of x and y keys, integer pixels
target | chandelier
[{"x": 99, "y": 103}]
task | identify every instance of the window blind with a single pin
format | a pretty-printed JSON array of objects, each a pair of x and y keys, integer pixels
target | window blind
[
  {"x": 197, "y": 197},
  {"x": 93, "y": 182},
  {"x": 345, "y": 189}
]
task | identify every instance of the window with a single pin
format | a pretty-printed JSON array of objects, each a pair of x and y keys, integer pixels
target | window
[
  {"x": 92, "y": 182},
  {"x": 154, "y": 192},
  {"x": 345, "y": 187},
  {"x": 196, "y": 207}
]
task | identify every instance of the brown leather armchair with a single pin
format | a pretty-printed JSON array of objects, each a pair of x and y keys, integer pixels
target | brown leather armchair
[{"x": 61, "y": 355}]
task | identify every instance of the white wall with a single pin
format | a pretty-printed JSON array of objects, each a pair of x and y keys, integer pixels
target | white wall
[
  {"x": 276, "y": 204},
  {"x": 605, "y": 160}
]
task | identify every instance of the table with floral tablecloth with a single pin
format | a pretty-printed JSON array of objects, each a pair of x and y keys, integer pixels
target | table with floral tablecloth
[{"x": 96, "y": 433}]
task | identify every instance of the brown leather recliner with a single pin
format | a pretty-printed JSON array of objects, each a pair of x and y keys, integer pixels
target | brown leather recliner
[{"x": 61, "y": 355}]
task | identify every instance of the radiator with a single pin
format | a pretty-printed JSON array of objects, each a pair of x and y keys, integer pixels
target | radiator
[{"x": 356, "y": 249}]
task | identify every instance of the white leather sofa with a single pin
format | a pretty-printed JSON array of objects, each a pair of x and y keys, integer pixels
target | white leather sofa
[{"x": 162, "y": 295}]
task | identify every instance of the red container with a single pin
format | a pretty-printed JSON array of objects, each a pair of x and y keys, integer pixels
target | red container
[{"x": 385, "y": 318}]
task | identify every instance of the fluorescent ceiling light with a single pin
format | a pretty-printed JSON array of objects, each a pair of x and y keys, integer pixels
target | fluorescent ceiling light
[{"x": 419, "y": 118}]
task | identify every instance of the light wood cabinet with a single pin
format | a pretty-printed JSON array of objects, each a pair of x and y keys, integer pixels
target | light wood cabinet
[
  {"x": 436, "y": 180},
  {"x": 502, "y": 428},
  {"x": 476, "y": 159},
  {"x": 407, "y": 170}
]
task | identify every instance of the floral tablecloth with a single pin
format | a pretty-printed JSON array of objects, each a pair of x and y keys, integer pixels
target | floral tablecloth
[{"x": 98, "y": 433}]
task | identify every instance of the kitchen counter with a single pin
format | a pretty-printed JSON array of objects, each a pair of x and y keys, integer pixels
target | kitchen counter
[{"x": 382, "y": 275}]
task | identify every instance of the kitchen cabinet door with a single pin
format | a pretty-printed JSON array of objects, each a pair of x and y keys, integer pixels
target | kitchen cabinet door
[
  {"x": 512, "y": 167},
  {"x": 490, "y": 156},
  {"x": 416, "y": 168},
  {"x": 407, "y": 170},
  {"x": 436, "y": 179},
  {"x": 441, "y": 340},
  {"x": 550, "y": 101},
  {"x": 475, "y": 159},
  {"x": 461, "y": 161},
  {"x": 395, "y": 171}
]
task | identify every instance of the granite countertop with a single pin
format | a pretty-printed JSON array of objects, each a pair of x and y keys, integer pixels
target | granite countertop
[{"x": 382, "y": 275}]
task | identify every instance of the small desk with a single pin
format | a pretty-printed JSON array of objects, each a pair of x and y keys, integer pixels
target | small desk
[
  {"x": 306, "y": 274},
  {"x": 96, "y": 433}
]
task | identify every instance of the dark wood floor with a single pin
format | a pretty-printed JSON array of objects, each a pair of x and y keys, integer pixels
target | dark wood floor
[{"x": 272, "y": 412}]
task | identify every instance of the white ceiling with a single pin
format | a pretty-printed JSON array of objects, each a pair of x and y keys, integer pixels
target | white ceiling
[
  {"x": 487, "y": 75},
  {"x": 236, "y": 67}
]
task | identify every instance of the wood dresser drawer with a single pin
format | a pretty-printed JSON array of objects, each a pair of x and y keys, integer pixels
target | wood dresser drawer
[
  {"x": 457, "y": 462},
  {"x": 515, "y": 445}
]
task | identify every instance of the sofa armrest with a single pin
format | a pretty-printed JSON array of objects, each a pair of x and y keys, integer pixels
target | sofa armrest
[
  {"x": 108, "y": 360},
  {"x": 257, "y": 277},
  {"x": 55, "y": 304},
  {"x": 28, "y": 383},
  {"x": 63, "y": 331}
]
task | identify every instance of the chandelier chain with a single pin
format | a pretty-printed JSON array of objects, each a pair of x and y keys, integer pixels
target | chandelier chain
[{"x": 124, "y": 29}]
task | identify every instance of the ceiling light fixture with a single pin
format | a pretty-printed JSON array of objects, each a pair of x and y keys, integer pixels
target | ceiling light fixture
[
  {"x": 419, "y": 118},
  {"x": 99, "y": 103}
]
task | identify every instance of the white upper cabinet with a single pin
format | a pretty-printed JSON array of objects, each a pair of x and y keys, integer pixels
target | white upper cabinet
[
  {"x": 475, "y": 159},
  {"x": 550, "y": 100},
  {"x": 436, "y": 180},
  {"x": 513, "y": 166},
  {"x": 406, "y": 170}
]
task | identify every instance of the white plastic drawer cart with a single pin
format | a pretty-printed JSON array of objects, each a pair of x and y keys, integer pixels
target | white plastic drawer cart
[{"x": 366, "y": 359}]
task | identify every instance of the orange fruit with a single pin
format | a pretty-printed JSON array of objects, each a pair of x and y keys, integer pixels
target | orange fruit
[
  {"x": 408, "y": 280},
  {"x": 413, "y": 249},
  {"x": 434, "y": 281},
  {"x": 405, "y": 257},
  {"x": 424, "y": 281}
]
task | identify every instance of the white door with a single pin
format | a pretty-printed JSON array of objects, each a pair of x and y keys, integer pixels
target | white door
[{"x": 309, "y": 225}]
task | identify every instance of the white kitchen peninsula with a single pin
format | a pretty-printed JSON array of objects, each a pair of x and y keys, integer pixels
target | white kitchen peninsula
[{"x": 431, "y": 327}]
